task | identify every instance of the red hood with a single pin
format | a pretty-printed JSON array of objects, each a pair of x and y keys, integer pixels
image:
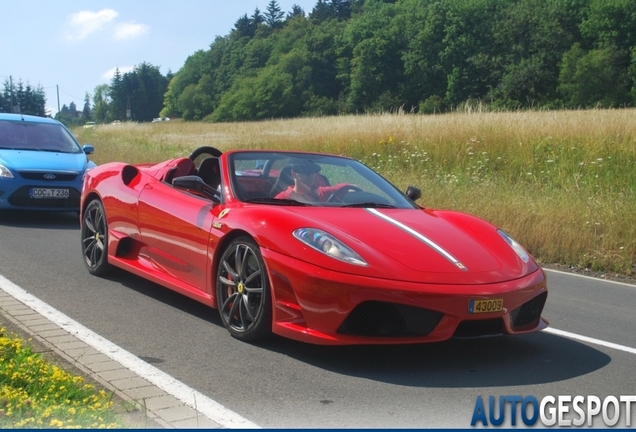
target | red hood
[{"x": 421, "y": 245}]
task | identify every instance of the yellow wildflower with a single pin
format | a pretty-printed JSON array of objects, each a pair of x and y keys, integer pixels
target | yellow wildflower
[{"x": 56, "y": 423}]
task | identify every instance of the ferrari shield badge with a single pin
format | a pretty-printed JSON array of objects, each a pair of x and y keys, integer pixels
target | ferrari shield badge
[{"x": 223, "y": 213}]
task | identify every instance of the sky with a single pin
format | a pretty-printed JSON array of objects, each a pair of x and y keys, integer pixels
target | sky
[{"x": 72, "y": 46}]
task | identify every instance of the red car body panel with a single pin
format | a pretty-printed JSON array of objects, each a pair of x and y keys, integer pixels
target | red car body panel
[
  {"x": 312, "y": 303},
  {"x": 175, "y": 238}
]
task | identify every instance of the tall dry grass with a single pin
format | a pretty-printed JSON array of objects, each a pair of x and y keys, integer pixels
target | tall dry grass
[{"x": 562, "y": 182}]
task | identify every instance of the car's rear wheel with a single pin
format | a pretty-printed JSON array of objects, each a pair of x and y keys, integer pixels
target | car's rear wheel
[
  {"x": 95, "y": 239},
  {"x": 243, "y": 292}
]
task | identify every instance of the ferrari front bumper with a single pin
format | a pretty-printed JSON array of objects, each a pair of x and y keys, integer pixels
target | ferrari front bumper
[{"x": 316, "y": 305}]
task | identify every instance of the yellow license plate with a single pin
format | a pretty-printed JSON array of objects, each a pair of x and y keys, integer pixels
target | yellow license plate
[{"x": 485, "y": 306}]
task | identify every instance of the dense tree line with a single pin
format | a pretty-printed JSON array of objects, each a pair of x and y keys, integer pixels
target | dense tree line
[
  {"x": 135, "y": 95},
  {"x": 22, "y": 98},
  {"x": 350, "y": 56}
]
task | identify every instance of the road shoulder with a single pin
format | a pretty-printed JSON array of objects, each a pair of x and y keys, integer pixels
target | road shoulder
[{"x": 139, "y": 403}]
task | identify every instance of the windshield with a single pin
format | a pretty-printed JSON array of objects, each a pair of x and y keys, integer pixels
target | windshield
[
  {"x": 22, "y": 135},
  {"x": 282, "y": 178}
]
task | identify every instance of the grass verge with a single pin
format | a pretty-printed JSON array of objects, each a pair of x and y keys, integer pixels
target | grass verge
[{"x": 36, "y": 393}]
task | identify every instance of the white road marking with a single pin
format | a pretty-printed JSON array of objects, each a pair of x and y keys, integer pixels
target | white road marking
[
  {"x": 585, "y": 338},
  {"x": 590, "y": 340},
  {"x": 189, "y": 396},
  {"x": 591, "y": 277}
]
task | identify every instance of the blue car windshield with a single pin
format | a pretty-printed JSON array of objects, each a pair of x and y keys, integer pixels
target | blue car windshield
[{"x": 49, "y": 137}]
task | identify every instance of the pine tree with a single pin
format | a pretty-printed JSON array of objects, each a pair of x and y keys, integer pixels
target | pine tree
[
  {"x": 295, "y": 12},
  {"x": 86, "y": 112},
  {"x": 274, "y": 15}
]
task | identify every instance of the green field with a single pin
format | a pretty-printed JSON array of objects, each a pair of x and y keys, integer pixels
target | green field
[{"x": 563, "y": 183}]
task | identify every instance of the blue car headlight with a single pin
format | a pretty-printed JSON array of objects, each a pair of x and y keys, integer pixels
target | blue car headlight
[
  {"x": 85, "y": 172},
  {"x": 328, "y": 245},
  {"x": 4, "y": 172},
  {"x": 515, "y": 246}
]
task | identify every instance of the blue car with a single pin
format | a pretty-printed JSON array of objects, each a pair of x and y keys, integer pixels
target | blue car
[{"x": 42, "y": 166}]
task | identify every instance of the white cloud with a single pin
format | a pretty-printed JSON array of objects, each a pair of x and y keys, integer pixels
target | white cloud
[
  {"x": 86, "y": 22},
  {"x": 108, "y": 75},
  {"x": 130, "y": 30}
]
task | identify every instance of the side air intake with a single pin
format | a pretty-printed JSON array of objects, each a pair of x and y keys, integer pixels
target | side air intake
[{"x": 528, "y": 313}]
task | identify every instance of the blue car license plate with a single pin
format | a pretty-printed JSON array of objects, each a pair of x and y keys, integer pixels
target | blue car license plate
[{"x": 49, "y": 193}]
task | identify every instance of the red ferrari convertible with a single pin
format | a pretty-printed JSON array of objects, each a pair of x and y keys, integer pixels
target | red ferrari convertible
[{"x": 313, "y": 247}]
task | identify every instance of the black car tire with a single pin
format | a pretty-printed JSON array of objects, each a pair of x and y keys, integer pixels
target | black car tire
[
  {"x": 243, "y": 291},
  {"x": 95, "y": 239}
]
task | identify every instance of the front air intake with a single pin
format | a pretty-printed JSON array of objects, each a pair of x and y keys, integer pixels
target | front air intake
[
  {"x": 46, "y": 176},
  {"x": 479, "y": 328},
  {"x": 382, "y": 319}
]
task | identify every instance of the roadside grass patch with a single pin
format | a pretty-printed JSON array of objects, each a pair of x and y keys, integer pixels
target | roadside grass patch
[{"x": 36, "y": 394}]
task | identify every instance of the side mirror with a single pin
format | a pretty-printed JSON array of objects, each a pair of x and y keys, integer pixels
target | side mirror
[
  {"x": 413, "y": 193},
  {"x": 88, "y": 149},
  {"x": 195, "y": 183}
]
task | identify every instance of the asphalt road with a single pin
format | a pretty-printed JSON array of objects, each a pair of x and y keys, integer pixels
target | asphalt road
[{"x": 286, "y": 384}]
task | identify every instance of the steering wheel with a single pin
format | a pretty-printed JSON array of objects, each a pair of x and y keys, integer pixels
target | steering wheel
[
  {"x": 341, "y": 192},
  {"x": 214, "y": 152},
  {"x": 267, "y": 167}
]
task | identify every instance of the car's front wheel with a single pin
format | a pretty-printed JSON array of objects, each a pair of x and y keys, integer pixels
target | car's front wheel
[
  {"x": 95, "y": 239},
  {"x": 243, "y": 292}
]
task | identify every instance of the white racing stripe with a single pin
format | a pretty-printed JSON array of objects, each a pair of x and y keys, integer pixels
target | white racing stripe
[
  {"x": 419, "y": 236},
  {"x": 590, "y": 340},
  {"x": 189, "y": 396}
]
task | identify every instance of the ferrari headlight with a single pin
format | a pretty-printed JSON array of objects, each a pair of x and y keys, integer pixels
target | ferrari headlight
[
  {"x": 4, "y": 172},
  {"x": 329, "y": 245},
  {"x": 515, "y": 246}
]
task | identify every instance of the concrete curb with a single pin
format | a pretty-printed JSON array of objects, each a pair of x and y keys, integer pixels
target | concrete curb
[{"x": 160, "y": 408}]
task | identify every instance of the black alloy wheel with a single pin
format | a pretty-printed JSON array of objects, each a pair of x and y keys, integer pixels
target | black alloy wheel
[
  {"x": 95, "y": 239},
  {"x": 243, "y": 293}
]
